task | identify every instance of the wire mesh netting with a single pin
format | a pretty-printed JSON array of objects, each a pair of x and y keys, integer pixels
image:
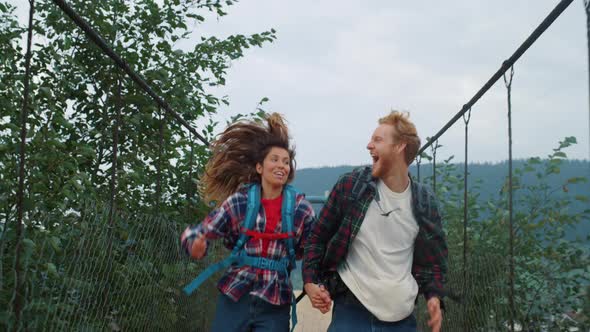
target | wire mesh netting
[{"x": 73, "y": 284}]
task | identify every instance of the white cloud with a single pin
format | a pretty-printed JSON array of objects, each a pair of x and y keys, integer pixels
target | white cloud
[
  {"x": 335, "y": 70},
  {"x": 338, "y": 66}
]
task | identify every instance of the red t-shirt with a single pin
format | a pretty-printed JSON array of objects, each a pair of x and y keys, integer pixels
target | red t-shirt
[{"x": 272, "y": 210}]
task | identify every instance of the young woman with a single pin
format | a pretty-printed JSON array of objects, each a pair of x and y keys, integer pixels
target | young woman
[{"x": 253, "y": 163}]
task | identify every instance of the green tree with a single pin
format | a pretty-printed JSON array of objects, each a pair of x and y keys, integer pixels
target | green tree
[
  {"x": 81, "y": 272},
  {"x": 550, "y": 270}
]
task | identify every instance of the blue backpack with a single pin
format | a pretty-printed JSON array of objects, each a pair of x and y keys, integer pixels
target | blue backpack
[{"x": 238, "y": 255}]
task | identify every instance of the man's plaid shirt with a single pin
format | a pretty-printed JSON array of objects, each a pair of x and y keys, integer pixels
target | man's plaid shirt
[
  {"x": 340, "y": 220},
  {"x": 226, "y": 222}
]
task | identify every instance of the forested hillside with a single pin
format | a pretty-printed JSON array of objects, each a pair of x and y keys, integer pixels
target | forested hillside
[
  {"x": 315, "y": 181},
  {"x": 486, "y": 180}
]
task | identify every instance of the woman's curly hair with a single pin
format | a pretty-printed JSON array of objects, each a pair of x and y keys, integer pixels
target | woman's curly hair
[{"x": 237, "y": 150}]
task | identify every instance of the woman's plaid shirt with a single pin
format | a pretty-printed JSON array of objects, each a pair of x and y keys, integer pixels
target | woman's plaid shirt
[
  {"x": 340, "y": 220},
  {"x": 226, "y": 222}
]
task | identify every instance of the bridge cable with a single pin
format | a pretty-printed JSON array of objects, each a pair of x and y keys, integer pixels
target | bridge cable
[
  {"x": 465, "y": 214},
  {"x": 159, "y": 162},
  {"x": 102, "y": 44},
  {"x": 434, "y": 148},
  {"x": 508, "y": 83},
  {"x": 418, "y": 162},
  {"x": 189, "y": 189},
  {"x": 118, "y": 103},
  {"x": 507, "y": 64}
]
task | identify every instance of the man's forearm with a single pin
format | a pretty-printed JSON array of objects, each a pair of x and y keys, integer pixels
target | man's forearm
[{"x": 311, "y": 260}]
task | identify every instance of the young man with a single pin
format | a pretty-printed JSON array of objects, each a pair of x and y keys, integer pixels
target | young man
[{"x": 378, "y": 241}]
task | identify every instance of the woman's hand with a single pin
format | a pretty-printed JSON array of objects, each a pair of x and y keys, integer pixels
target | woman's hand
[
  {"x": 199, "y": 247},
  {"x": 319, "y": 297}
]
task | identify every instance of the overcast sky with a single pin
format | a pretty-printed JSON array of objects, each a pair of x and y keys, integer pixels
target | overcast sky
[{"x": 337, "y": 66}]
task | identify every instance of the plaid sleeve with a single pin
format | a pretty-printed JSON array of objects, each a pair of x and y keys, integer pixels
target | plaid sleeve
[
  {"x": 430, "y": 255},
  {"x": 306, "y": 214},
  {"x": 222, "y": 222},
  {"x": 322, "y": 231}
]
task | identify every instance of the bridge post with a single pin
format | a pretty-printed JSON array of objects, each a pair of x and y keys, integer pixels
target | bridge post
[
  {"x": 19, "y": 279},
  {"x": 508, "y": 83},
  {"x": 465, "y": 204}
]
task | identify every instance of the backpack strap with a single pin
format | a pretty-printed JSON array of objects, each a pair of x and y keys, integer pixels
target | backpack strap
[
  {"x": 251, "y": 215},
  {"x": 288, "y": 220},
  {"x": 288, "y": 217},
  {"x": 236, "y": 257},
  {"x": 361, "y": 183},
  {"x": 224, "y": 264}
]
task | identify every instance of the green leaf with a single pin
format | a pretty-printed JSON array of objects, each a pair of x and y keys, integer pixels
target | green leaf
[
  {"x": 571, "y": 140},
  {"x": 45, "y": 91},
  {"x": 28, "y": 248},
  {"x": 534, "y": 161},
  {"x": 52, "y": 270},
  {"x": 55, "y": 243},
  {"x": 578, "y": 179},
  {"x": 28, "y": 243}
]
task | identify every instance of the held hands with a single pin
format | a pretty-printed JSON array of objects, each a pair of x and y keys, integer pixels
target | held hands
[
  {"x": 319, "y": 297},
  {"x": 433, "y": 305},
  {"x": 199, "y": 247}
]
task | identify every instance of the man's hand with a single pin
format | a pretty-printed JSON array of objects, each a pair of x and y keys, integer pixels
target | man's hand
[
  {"x": 319, "y": 297},
  {"x": 435, "y": 313},
  {"x": 199, "y": 247}
]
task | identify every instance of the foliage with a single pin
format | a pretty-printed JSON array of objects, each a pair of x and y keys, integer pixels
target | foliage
[
  {"x": 77, "y": 93},
  {"x": 85, "y": 267},
  {"x": 75, "y": 282},
  {"x": 550, "y": 271}
]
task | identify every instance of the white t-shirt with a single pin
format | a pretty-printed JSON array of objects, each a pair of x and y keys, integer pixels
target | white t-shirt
[{"x": 378, "y": 267}]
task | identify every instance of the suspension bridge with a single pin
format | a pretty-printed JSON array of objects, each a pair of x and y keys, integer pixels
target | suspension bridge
[{"x": 105, "y": 255}]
